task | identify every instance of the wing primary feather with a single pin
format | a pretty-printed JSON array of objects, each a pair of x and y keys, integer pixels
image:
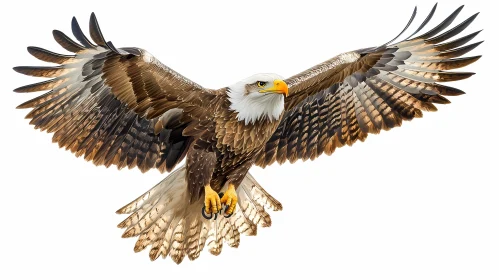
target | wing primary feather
[
  {"x": 95, "y": 32},
  {"x": 48, "y": 56},
  {"x": 425, "y": 22},
  {"x": 451, "y": 33},
  {"x": 441, "y": 26},
  {"x": 456, "y": 43},
  {"x": 445, "y": 64},
  {"x": 79, "y": 35},
  {"x": 114, "y": 49},
  {"x": 66, "y": 42},
  {"x": 40, "y": 71},
  {"x": 414, "y": 12},
  {"x": 45, "y": 85},
  {"x": 36, "y": 101},
  {"x": 454, "y": 63},
  {"x": 459, "y": 51}
]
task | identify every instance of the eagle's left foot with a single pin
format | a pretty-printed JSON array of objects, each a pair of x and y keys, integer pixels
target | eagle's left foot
[{"x": 230, "y": 199}]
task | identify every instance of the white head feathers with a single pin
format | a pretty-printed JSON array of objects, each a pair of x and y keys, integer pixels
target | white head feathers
[{"x": 253, "y": 105}]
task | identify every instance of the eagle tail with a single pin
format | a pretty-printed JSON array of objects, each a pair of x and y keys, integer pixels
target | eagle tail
[{"x": 164, "y": 219}]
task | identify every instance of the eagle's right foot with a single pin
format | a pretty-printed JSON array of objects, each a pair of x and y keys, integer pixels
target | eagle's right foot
[{"x": 211, "y": 201}]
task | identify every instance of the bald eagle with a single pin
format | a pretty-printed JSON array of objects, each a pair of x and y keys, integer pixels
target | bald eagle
[{"x": 123, "y": 107}]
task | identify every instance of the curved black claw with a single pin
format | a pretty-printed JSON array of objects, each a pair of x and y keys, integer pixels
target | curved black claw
[
  {"x": 230, "y": 215},
  {"x": 205, "y": 215}
]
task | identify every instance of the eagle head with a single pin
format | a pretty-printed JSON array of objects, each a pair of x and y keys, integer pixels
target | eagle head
[{"x": 258, "y": 97}]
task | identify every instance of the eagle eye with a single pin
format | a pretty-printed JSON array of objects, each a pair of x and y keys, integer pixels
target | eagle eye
[{"x": 261, "y": 84}]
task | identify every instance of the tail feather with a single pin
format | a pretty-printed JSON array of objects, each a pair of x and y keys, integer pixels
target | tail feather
[
  {"x": 177, "y": 252},
  {"x": 215, "y": 238},
  {"x": 230, "y": 234},
  {"x": 164, "y": 219},
  {"x": 203, "y": 235},
  {"x": 193, "y": 237},
  {"x": 261, "y": 196}
]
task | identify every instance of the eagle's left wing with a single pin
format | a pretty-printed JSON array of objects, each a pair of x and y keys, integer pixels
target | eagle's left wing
[{"x": 343, "y": 99}]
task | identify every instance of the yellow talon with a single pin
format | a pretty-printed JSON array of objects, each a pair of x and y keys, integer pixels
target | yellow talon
[
  {"x": 211, "y": 200},
  {"x": 230, "y": 199}
]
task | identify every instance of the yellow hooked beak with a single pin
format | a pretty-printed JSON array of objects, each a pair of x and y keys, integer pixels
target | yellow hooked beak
[{"x": 279, "y": 87}]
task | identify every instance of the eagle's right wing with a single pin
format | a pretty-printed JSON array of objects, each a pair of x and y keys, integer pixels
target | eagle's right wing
[{"x": 114, "y": 106}]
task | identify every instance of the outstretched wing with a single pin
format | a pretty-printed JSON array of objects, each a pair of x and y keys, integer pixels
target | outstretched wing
[
  {"x": 343, "y": 99},
  {"x": 114, "y": 106}
]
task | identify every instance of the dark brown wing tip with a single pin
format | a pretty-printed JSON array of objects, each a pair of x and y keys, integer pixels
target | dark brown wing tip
[
  {"x": 32, "y": 49},
  {"x": 48, "y": 56},
  {"x": 472, "y": 59},
  {"x": 111, "y": 46},
  {"x": 24, "y": 105},
  {"x": 450, "y": 91},
  {"x": 460, "y": 51},
  {"x": 471, "y": 47},
  {"x": 66, "y": 42},
  {"x": 454, "y": 76},
  {"x": 446, "y": 22},
  {"x": 79, "y": 35},
  {"x": 20, "y": 89},
  {"x": 413, "y": 16},
  {"x": 452, "y": 32},
  {"x": 18, "y": 69},
  {"x": 95, "y": 32},
  {"x": 36, "y": 86},
  {"x": 425, "y": 21}
]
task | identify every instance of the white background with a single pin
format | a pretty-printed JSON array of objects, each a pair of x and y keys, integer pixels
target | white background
[{"x": 418, "y": 202}]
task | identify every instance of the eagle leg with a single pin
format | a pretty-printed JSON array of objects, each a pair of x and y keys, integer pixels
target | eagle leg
[
  {"x": 211, "y": 200},
  {"x": 230, "y": 199}
]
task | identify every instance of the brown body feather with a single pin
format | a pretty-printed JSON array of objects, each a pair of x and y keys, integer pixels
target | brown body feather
[{"x": 223, "y": 148}]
